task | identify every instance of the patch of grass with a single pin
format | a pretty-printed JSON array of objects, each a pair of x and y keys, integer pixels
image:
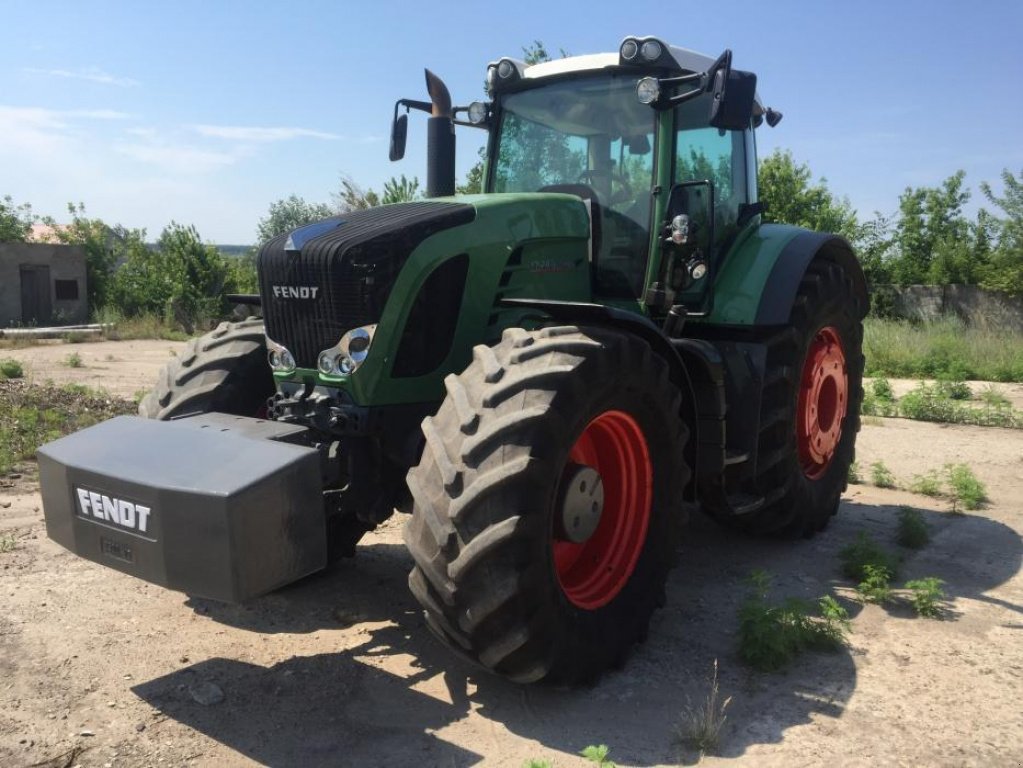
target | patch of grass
[
  {"x": 74, "y": 360},
  {"x": 11, "y": 369},
  {"x": 945, "y": 348},
  {"x": 33, "y": 415},
  {"x": 771, "y": 635},
  {"x": 928, "y": 484},
  {"x": 7, "y": 543},
  {"x": 77, "y": 337},
  {"x": 538, "y": 764},
  {"x": 927, "y": 596},
  {"x": 966, "y": 489},
  {"x": 598, "y": 755},
  {"x": 912, "y": 532},
  {"x": 700, "y": 726},
  {"x": 864, "y": 552},
  {"x": 137, "y": 327},
  {"x": 853, "y": 473},
  {"x": 876, "y": 584},
  {"x": 881, "y": 476},
  {"x": 927, "y": 403}
]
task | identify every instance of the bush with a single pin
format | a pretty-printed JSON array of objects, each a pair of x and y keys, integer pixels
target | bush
[
  {"x": 926, "y": 485},
  {"x": 876, "y": 584},
  {"x": 11, "y": 369},
  {"x": 864, "y": 552},
  {"x": 912, "y": 532},
  {"x": 966, "y": 489},
  {"x": 881, "y": 476},
  {"x": 882, "y": 389},
  {"x": 927, "y": 596}
]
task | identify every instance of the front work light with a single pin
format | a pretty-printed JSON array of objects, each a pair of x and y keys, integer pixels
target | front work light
[
  {"x": 651, "y": 50},
  {"x": 629, "y": 50},
  {"x": 648, "y": 90},
  {"x": 348, "y": 354},
  {"x": 477, "y": 112}
]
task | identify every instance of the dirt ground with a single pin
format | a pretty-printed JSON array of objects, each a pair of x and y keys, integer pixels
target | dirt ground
[{"x": 99, "y": 669}]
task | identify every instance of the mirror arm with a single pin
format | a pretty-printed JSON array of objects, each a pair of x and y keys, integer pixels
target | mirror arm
[{"x": 422, "y": 106}]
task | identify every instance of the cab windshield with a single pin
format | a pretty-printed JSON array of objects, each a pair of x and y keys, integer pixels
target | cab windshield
[{"x": 591, "y": 137}]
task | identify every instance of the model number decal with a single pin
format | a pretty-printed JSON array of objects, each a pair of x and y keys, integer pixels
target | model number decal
[{"x": 124, "y": 514}]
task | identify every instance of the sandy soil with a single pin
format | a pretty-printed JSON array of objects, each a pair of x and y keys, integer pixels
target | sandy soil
[{"x": 339, "y": 669}]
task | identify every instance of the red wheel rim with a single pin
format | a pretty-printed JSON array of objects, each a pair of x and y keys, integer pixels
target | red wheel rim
[
  {"x": 592, "y": 573},
  {"x": 823, "y": 400}
]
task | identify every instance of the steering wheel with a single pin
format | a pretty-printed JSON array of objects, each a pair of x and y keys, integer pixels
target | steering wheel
[{"x": 623, "y": 192}]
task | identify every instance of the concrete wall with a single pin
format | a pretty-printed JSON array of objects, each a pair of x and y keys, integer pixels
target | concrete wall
[
  {"x": 977, "y": 307},
  {"x": 66, "y": 262}
]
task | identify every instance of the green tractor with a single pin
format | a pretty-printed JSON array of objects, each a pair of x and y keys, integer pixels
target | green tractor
[{"x": 547, "y": 376}]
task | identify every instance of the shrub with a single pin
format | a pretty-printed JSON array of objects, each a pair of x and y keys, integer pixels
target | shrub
[
  {"x": 876, "y": 584},
  {"x": 912, "y": 532},
  {"x": 11, "y": 369},
  {"x": 882, "y": 389},
  {"x": 863, "y": 552},
  {"x": 926, "y": 485},
  {"x": 953, "y": 389},
  {"x": 881, "y": 476},
  {"x": 966, "y": 488},
  {"x": 772, "y": 635},
  {"x": 927, "y": 596}
]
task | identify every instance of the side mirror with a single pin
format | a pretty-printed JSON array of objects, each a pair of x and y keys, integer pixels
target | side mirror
[
  {"x": 732, "y": 95},
  {"x": 399, "y": 134},
  {"x": 638, "y": 144}
]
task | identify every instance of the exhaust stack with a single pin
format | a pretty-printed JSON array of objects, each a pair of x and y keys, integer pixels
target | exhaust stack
[{"x": 440, "y": 140}]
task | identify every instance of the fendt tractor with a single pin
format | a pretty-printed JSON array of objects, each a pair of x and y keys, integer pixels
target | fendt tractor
[{"x": 546, "y": 376}]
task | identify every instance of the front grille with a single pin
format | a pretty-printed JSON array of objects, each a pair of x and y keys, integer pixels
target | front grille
[{"x": 352, "y": 261}]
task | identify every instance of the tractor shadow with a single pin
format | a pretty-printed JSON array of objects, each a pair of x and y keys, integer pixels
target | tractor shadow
[{"x": 391, "y": 695}]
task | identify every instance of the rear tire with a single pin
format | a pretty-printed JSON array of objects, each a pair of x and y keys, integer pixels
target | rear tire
[
  {"x": 802, "y": 491},
  {"x": 490, "y": 569}
]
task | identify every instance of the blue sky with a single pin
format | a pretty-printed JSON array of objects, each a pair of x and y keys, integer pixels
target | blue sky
[{"x": 205, "y": 112}]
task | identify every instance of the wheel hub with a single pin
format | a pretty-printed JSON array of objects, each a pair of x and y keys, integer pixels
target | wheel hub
[
  {"x": 823, "y": 400},
  {"x": 582, "y": 502}
]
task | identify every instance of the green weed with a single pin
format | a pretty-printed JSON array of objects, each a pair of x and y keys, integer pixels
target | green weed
[
  {"x": 74, "y": 360},
  {"x": 853, "y": 473},
  {"x": 927, "y": 596},
  {"x": 881, "y": 388},
  {"x": 876, "y": 584},
  {"x": 7, "y": 543},
  {"x": 928, "y": 484},
  {"x": 912, "y": 532},
  {"x": 992, "y": 398},
  {"x": 863, "y": 552},
  {"x": 771, "y": 635},
  {"x": 881, "y": 476},
  {"x": 538, "y": 764},
  {"x": 700, "y": 726},
  {"x": 598, "y": 755},
  {"x": 11, "y": 369},
  {"x": 966, "y": 489},
  {"x": 953, "y": 389}
]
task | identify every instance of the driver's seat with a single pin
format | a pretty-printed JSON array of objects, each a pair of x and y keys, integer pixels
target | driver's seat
[{"x": 585, "y": 192}]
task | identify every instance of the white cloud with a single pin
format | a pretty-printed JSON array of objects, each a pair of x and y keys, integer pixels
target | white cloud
[
  {"x": 261, "y": 134},
  {"x": 177, "y": 158},
  {"x": 91, "y": 74}
]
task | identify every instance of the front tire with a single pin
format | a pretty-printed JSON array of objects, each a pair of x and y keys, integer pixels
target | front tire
[{"x": 496, "y": 570}]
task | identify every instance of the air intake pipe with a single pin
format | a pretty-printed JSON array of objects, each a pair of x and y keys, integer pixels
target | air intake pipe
[{"x": 440, "y": 140}]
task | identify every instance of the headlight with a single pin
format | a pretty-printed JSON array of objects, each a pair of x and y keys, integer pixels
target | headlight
[
  {"x": 648, "y": 90},
  {"x": 348, "y": 354},
  {"x": 629, "y": 50},
  {"x": 279, "y": 357}
]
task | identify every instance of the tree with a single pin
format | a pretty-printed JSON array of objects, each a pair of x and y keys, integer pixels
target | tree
[
  {"x": 400, "y": 190},
  {"x": 15, "y": 221},
  {"x": 288, "y": 213},
  {"x": 352, "y": 197},
  {"x": 932, "y": 236},
  {"x": 104, "y": 247},
  {"x": 790, "y": 197},
  {"x": 1004, "y": 271}
]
